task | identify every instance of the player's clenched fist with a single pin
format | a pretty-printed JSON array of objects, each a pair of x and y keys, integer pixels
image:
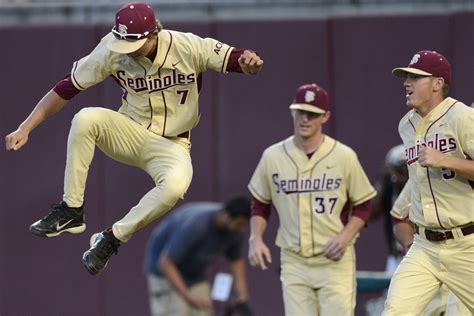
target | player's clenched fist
[
  {"x": 16, "y": 140},
  {"x": 430, "y": 157},
  {"x": 250, "y": 63},
  {"x": 258, "y": 253}
]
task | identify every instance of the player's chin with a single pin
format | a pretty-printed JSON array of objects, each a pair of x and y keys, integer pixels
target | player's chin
[{"x": 305, "y": 133}]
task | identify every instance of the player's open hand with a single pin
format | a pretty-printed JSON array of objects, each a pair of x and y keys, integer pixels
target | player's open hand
[
  {"x": 335, "y": 248},
  {"x": 250, "y": 63},
  {"x": 16, "y": 140},
  {"x": 430, "y": 157},
  {"x": 258, "y": 253}
]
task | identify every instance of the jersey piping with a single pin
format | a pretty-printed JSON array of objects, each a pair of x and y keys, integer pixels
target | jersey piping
[
  {"x": 298, "y": 200},
  {"x": 428, "y": 169}
]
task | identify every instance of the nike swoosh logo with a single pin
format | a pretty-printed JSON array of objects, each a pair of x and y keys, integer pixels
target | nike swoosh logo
[
  {"x": 59, "y": 227},
  {"x": 174, "y": 65}
]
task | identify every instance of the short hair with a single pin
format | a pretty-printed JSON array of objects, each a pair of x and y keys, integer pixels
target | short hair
[
  {"x": 159, "y": 26},
  {"x": 445, "y": 90},
  {"x": 238, "y": 207}
]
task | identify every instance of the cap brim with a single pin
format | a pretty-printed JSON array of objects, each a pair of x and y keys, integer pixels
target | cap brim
[
  {"x": 402, "y": 72},
  {"x": 123, "y": 46},
  {"x": 307, "y": 107}
]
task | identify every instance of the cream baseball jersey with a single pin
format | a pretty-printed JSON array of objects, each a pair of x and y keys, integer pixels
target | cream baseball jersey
[
  {"x": 440, "y": 198},
  {"x": 401, "y": 206},
  {"x": 313, "y": 197},
  {"x": 161, "y": 95}
]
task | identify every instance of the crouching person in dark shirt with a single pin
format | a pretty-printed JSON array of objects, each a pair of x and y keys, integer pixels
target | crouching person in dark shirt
[{"x": 184, "y": 245}]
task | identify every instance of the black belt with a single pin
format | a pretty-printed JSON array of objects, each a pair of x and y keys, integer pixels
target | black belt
[{"x": 433, "y": 235}]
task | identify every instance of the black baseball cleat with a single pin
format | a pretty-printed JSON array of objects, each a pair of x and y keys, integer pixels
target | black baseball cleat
[
  {"x": 103, "y": 246},
  {"x": 62, "y": 218}
]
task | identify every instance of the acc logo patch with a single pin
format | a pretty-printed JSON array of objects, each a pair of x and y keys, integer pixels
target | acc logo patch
[
  {"x": 415, "y": 59},
  {"x": 309, "y": 96}
]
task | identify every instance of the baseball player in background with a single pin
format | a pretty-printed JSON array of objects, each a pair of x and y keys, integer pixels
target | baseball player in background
[
  {"x": 159, "y": 72},
  {"x": 322, "y": 197},
  {"x": 439, "y": 142}
]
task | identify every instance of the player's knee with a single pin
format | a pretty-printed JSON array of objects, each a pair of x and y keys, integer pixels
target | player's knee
[
  {"x": 85, "y": 119},
  {"x": 175, "y": 188}
]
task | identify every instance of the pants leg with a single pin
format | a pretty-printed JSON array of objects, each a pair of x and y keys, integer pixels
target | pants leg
[
  {"x": 337, "y": 282},
  {"x": 455, "y": 307},
  {"x": 168, "y": 162},
  {"x": 202, "y": 290},
  {"x": 116, "y": 135},
  {"x": 414, "y": 283},
  {"x": 437, "y": 305},
  {"x": 164, "y": 300},
  {"x": 457, "y": 268},
  {"x": 298, "y": 296}
]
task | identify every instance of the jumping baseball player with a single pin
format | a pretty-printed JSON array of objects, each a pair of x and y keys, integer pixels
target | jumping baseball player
[
  {"x": 159, "y": 72},
  {"x": 439, "y": 143},
  {"x": 322, "y": 197}
]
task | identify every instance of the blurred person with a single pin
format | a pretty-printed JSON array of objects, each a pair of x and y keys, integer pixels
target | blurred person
[
  {"x": 389, "y": 186},
  {"x": 184, "y": 245},
  {"x": 439, "y": 144},
  {"x": 322, "y": 197},
  {"x": 159, "y": 72}
]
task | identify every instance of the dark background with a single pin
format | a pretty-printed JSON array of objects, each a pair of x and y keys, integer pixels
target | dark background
[{"x": 351, "y": 57}]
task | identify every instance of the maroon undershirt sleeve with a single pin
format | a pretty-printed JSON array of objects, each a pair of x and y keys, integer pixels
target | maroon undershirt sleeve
[
  {"x": 396, "y": 221},
  {"x": 261, "y": 209},
  {"x": 65, "y": 88},
  {"x": 233, "y": 62},
  {"x": 363, "y": 211}
]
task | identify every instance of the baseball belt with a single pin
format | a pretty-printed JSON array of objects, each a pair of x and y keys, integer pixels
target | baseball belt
[{"x": 433, "y": 235}]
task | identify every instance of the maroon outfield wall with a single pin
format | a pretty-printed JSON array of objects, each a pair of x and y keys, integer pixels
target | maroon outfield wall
[{"x": 351, "y": 57}]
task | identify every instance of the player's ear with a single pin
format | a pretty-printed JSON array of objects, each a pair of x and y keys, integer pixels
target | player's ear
[
  {"x": 326, "y": 116},
  {"x": 438, "y": 84}
]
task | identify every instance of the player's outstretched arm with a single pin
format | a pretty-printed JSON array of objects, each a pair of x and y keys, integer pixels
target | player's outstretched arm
[
  {"x": 430, "y": 157},
  {"x": 250, "y": 63},
  {"x": 47, "y": 106},
  {"x": 258, "y": 251}
]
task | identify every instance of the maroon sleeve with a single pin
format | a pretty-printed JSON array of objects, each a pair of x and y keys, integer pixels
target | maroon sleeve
[
  {"x": 65, "y": 88},
  {"x": 233, "y": 62},
  {"x": 261, "y": 209},
  {"x": 363, "y": 210},
  {"x": 396, "y": 221}
]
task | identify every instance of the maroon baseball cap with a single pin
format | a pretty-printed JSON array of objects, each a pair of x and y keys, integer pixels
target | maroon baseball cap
[
  {"x": 133, "y": 23},
  {"x": 311, "y": 98},
  {"x": 426, "y": 63}
]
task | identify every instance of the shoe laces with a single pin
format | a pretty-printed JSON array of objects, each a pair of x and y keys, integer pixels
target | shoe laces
[
  {"x": 106, "y": 247},
  {"x": 56, "y": 213}
]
